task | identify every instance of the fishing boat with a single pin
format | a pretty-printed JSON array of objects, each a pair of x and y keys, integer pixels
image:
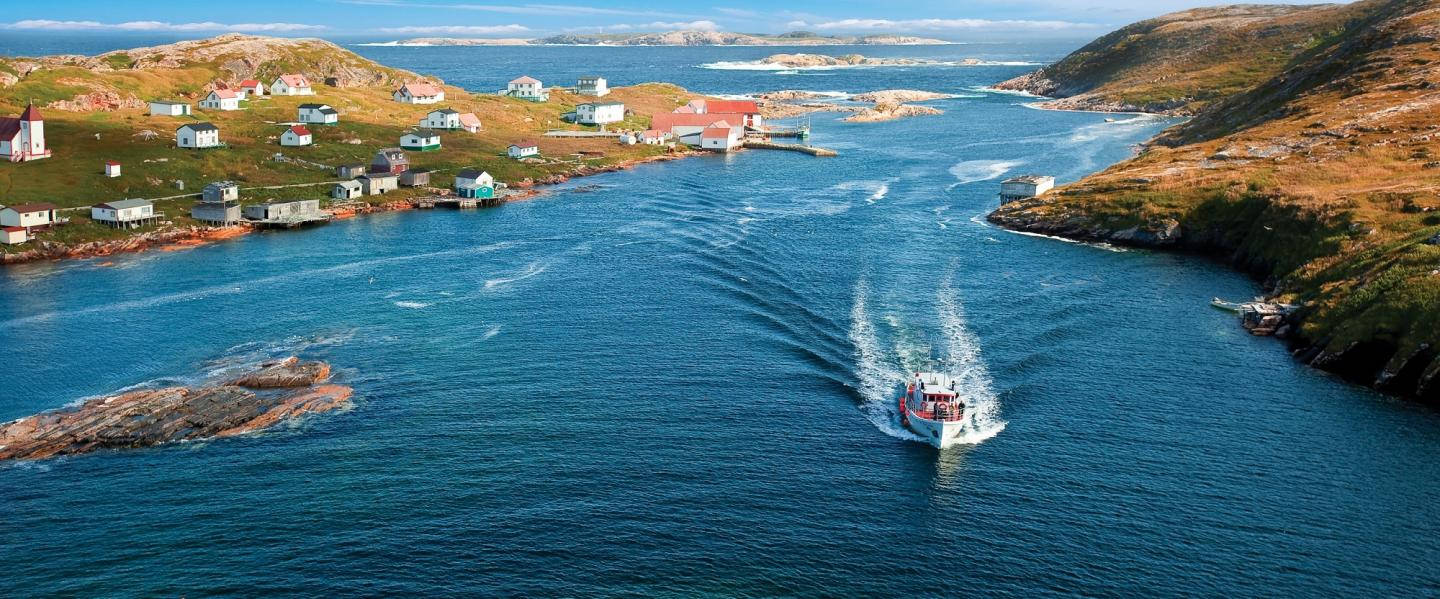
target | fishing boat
[{"x": 932, "y": 408}]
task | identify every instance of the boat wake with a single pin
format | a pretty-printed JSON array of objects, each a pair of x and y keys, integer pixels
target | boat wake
[
  {"x": 974, "y": 171},
  {"x": 882, "y": 374}
]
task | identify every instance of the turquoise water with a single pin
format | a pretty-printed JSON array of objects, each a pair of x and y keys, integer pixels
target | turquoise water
[{"x": 677, "y": 381}]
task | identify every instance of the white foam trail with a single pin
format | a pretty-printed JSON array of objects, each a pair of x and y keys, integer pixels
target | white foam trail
[
  {"x": 879, "y": 377},
  {"x": 878, "y": 189},
  {"x": 1004, "y": 92},
  {"x": 493, "y": 331},
  {"x": 412, "y": 305},
  {"x": 972, "y": 171},
  {"x": 531, "y": 269},
  {"x": 962, "y": 361},
  {"x": 1099, "y": 246}
]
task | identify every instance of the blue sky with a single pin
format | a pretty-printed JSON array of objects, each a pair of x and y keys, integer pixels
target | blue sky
[{"x": 956, "y": 20}]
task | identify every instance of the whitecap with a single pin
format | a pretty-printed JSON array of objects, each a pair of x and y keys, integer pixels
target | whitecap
[
  {"x": 412, "y": 305},
  {"x": 973, "y": 171}
]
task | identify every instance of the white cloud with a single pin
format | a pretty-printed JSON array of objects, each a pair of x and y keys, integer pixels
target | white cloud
[
  {"x": 459, "y": 29},
  {"x": 664, "y": 26},
  {"x": 936, "y": 25},
  {"x": 46, "y": 24},
  {"x": 520, "y": 9}
]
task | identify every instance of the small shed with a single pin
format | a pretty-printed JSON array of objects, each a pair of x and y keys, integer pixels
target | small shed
[
  {"x": 349, "y": 171},
  {"x": 293, "y": 210},
  {"x": 252, "y": 87},
  {"x": 521, "y": 149},
  {"x": 347, "y": 190},
  {"x": 415, "y": 178},
  {"x": 378, "y": 183},
  {"x": 14, "y": 235},
  {"x": 168, "y": 108},
  {"x": 112, "y": 169},
  {"x": 220, "y": 191},
  {"x": 28, "y": 215},
  {"x": 318, "y": 114},
  {"x": 220, "y": 212},
  {"x": 1025, "y": 186}
]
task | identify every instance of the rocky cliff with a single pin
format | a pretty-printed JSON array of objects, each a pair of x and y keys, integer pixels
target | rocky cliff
[
  {"x": 1178, "y": 63},
  {"x": 1321, "y": 180}
]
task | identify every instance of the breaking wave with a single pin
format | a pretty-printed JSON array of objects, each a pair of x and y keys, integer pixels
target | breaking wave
[{"x": 412, "y": 305}]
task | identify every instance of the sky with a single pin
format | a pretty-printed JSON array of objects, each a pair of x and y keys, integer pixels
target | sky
[{"x": 955, "y": 20}]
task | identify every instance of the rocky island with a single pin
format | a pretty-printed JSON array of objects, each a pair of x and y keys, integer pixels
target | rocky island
[
  {"x": 1314, "y": 169},
  {"x": 885, "y": 105},
  {"x": 810, "y": 61},
  {"x": 273, "y": 393},
  {"x": 688, "y": 37}
]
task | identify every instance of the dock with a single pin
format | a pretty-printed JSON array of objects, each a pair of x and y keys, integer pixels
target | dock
[
  {"x": 803, "y": 149},
  {"x": 291, "y": 221}
]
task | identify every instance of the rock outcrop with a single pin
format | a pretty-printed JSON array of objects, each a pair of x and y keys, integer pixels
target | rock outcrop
[{"x": 150, "y": 417}]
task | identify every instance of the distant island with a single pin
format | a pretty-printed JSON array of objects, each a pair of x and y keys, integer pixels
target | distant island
[{"x": 677, "y": 38}]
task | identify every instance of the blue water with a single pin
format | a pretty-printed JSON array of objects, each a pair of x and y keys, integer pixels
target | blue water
[{"x": 679, "y": 384}]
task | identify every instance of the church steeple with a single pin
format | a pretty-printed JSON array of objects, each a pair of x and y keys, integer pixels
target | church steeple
[{"x": 30, "y": 113}]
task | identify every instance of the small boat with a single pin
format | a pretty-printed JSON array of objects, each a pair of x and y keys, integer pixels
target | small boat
[{"x": 932, "y": 408}]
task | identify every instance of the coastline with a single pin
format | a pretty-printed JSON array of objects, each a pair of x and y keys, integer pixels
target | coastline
[{"x": 183, "y": 238}]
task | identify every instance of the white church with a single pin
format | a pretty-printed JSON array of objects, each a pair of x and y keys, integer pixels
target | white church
[{"x": 23, "y": 139}]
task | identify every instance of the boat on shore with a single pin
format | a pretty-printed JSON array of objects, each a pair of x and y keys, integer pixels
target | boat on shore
[{"x": 931, "y": 407}]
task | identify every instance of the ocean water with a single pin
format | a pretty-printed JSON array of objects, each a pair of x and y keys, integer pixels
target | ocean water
[{"x": 677, "y": 381}]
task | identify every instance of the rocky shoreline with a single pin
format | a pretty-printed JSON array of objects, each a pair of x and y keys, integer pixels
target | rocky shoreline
[
  {"x": 886, "y": 105},
  {"x": 274, "y": 392},
  {"x": 1053, "y": 97},
  {"x": 194, "y": 236},
  {"x": 1374, "y": 364}
]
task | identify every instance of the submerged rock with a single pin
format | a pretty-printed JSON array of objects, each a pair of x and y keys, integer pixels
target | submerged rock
[{"x": 151, "y": 417}]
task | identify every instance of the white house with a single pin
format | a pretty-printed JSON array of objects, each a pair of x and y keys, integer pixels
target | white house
[
  {"x": 347, "y": 190},
  {"x": 420, "y": 140},
  {"x": 168, "y": 108},
  {"x": 319, "y": 114},
  {"x": 748, "y": 110},
  {"x": 1025, "y": 186},
  {"x": 419, "y": 93},
  {"x": 527, "y": 88},
  {"x": 252, "y": 88},
  {"x": 444, "y": 118},
  {"x": 23, "y": 139},
  {"x": 14, "y": 235},
  {"x": 654, "y": 137},
  {"x": 521, "y": 149},
  {"x": 599, "y": 113},
  {"x": 221, "y": 99},
  {"x": 470, "y": 122},
  {"x": 592, "y": 86},
  {"x": 27, "y": 215},
  {"x": 291, "y": 85},
  {"x": 124, "y": 213},
  {"x": 197, "y": 135},
  {"x": 112, "y": 169},
  {"x": 296, "y": 135},
  {"x": 721, "y": 137}
]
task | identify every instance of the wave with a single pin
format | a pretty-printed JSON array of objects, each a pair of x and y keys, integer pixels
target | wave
[
  {"x": 878, "y": 188},
  {"x": 881, "y": 375},
  {"x": 491, "y": 332},
  {"x": 760, "y": 65},
  {"x": 878, "y": 376},
  {"x": 1004, "y": 92},
  {"x": 530, "y": 270},
  {"x": 412, "y": 305},
  {"x": 963, "y": 362},
  {"x": 972, "y": 171}
]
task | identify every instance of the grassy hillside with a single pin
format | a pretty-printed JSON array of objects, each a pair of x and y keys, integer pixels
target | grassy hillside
[
  {"x": 83, "y": 139},
  {"x": 1179, "y": 63},
  {"x": 1323, "y": 179}
]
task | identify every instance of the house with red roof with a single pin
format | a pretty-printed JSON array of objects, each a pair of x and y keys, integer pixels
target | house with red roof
[
  {"x": 28, "y": 215},
  {"x": 688, "y": 127},
  {"x": 296, "y": 135},
  {"x": 748, "y": 108},
  {"x": 419, "y": 93},
  {"x": 291, "y": 85},
  {"x": 23, "y": 139},
  {"x": 721, "y": 138},
  {"x": 521, "y": 149},
  {"x": 112, "y": 168},
  {"x": 252, "y": 88},
  {"x": 527, "y": 88}
]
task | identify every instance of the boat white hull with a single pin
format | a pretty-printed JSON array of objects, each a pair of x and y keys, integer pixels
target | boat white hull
[{"x": 941, "y": 434}]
